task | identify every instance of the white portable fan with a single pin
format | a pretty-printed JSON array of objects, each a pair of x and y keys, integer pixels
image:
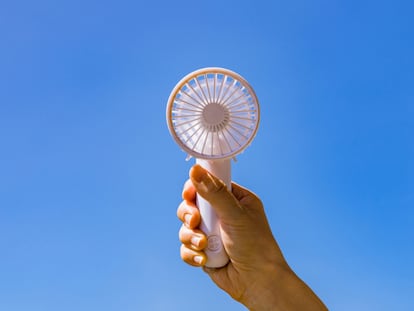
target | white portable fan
[{"x": 213, "y": 115}]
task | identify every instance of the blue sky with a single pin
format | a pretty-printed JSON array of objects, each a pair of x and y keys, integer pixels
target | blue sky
[{"x": 90, "y": 178}]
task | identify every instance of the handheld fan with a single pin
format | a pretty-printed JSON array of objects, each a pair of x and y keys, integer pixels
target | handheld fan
[{"x": 213, "y": 115}]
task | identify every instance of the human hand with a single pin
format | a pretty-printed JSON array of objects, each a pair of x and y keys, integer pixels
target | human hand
[{"x": 257, "y": 274}]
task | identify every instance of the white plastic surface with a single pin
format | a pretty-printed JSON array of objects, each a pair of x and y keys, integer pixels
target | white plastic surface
[{"x": 210, "y": 225}]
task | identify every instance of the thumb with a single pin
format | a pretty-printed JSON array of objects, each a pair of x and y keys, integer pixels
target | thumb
[{"x": 215, "y": 192}]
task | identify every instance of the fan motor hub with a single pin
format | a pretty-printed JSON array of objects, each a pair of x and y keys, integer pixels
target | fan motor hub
[{"x": 215, "y": 117}]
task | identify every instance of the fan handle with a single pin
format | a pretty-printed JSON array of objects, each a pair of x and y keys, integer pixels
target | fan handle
[{"x": 210, "y": 224}]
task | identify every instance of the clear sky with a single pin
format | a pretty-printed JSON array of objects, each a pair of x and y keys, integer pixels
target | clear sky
[{"x": 90, "y": 177}]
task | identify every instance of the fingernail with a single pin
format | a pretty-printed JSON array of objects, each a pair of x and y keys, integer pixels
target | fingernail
[
  {"x": 202, "y": 178},
  {"x": 195, "y": 240},
  {"x": 198, "y": 259},
  {"x": 198, "y": 173},
  {"x": 187, "y": 219}
]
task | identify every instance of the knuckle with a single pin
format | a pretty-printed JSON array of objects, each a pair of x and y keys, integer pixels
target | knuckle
[
  {"x": 182, "y": 234},
  {"x": 180, "y": 210},
  {"x": 186, "y": 254}
]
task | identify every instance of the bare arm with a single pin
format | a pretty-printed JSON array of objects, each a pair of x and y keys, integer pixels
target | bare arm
[{"x": 257, "y": 275}]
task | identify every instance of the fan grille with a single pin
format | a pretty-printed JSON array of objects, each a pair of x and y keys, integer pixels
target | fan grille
[{"x": 213, "y": 113}]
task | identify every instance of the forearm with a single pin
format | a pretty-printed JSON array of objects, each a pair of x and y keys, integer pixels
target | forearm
[{"x": 282, "y": 290}]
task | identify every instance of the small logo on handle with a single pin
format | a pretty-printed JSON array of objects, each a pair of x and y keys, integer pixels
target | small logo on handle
[{"x": 214, "y": 243}]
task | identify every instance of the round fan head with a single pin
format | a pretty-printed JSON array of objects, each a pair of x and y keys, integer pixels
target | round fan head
[{"x": 213, "y": 113}]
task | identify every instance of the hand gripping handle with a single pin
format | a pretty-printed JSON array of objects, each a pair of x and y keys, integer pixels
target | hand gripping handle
[{"x": 210, "y": 224}]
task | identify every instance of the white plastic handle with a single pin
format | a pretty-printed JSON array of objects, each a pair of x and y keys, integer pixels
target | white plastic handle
[{"x": 210, "y": 224}]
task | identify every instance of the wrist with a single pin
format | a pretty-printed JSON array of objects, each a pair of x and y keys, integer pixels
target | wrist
[{"x": 264, "y": 291}]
